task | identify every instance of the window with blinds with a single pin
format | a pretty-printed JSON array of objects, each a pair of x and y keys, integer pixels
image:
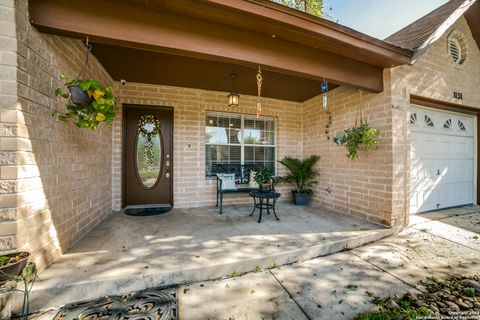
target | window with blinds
[{"x": 236, "y": 140}]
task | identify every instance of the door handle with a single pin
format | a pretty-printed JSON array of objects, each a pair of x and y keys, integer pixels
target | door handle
[{"x": 438, "y": 172}]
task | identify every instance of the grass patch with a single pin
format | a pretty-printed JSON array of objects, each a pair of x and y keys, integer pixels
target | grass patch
[{"x": 404, "y": 311}]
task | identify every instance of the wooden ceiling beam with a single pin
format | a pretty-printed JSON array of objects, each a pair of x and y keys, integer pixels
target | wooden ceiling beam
[{"x": 141, "y": 28}]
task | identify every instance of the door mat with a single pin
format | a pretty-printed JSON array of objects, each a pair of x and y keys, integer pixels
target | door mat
[
  {"x": 148, "y": 211},
  {"x": 151, "y": 304}
]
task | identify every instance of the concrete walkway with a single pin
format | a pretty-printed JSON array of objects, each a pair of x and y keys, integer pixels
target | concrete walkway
[{"x": 342, "y": 285}]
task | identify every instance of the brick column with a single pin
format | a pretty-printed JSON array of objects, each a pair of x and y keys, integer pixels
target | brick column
[{"x": 10, "y": 127}]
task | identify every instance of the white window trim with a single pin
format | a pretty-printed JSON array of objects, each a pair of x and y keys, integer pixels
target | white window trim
[{"x": 242, "y": 137}]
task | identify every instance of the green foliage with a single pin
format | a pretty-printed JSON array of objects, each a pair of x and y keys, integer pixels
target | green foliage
[
  {"x": 4, "y": 260},
  {"x": 351, "y": 287},
  {"x": 264, "y": 175},
  {"x": 313, "y": 7},
  {"x": 404, "y": 311},
  {"x": 405, "y": 304},
  {"x": 27, "y": 276},
  {"x": 363, "y": 137},
  {"x": 100, "y": 109},
  {"x": 301, "y": 173},
  {"x": 470, "y": 292}
]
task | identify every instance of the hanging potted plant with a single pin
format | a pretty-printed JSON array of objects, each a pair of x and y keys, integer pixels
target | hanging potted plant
[
  {"x": 363, "y": 137},
  {"x": 89, "y": 103},
  {"x": 302, "y": 175}
]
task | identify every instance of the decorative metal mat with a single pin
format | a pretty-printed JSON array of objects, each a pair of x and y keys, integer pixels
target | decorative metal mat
[{"x": 150, "y": 304}]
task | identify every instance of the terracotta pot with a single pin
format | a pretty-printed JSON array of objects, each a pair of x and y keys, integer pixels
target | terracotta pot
[
  {"x": 78, "y": 96},
  {"x": 265, "y": 187},
  {"x": 15, "y": 268}
]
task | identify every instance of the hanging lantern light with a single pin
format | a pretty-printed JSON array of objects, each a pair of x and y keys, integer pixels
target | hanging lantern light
[
  {"x": 233, "y": 97},
  {"x": 324, "y": 89}
]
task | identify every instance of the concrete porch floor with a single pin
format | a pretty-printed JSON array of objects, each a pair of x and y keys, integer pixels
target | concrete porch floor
[{"x": 124, "y": 253}]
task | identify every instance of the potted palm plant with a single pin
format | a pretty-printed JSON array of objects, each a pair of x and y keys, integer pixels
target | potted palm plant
[{"x": 302, "y": 175}]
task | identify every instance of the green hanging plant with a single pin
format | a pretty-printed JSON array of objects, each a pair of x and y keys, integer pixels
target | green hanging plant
[
  {"x": 89, "y": 104},
  {"x": 363, "y": 137}
]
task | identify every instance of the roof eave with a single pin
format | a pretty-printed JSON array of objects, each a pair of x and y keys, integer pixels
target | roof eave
[
  {"x": 321, "y": 27},
  {"x": 442, "y": 29},
  {"x": 295, "y": 26}
]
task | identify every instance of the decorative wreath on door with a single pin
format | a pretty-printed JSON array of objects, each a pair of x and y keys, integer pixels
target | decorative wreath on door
[{"x": 148, "y": 126}]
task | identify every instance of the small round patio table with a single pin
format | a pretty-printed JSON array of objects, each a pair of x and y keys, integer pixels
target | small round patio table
[{"x": 261, "y": 200}]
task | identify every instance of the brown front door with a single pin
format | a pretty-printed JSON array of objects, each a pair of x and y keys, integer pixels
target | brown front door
[{"x": 148, "y": 155}]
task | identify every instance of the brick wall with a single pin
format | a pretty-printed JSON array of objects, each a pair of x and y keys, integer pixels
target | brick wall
[
  {"x": 8, "y": 125},
  {"x": 359, "y": 187},
  {"x": 191, "y": 189},
  {"x": 48, "y": 168}
]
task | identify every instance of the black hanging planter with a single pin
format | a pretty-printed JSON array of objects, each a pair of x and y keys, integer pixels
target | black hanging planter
[
  {"x": 300, "y": 199},
  {"x": 14, "y": 268},
  {"x": 78, "y": 96}
]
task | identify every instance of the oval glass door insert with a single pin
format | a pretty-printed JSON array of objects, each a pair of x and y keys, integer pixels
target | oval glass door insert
[{"x": 148, "y": 151}]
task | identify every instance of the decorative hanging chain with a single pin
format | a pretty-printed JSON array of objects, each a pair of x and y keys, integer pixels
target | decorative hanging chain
[
  {"x": 359, "y": 113},
  {"x": 81, "y": 74},
  {"x": 259, "y": 91}
]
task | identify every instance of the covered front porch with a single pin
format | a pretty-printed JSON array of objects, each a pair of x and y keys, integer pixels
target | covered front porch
[
  {"x": 181, "y": 63},
  {"x": 124, "y": 253}
]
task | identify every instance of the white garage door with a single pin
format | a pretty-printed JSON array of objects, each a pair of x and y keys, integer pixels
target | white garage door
[{"x": 442, "y": 159}]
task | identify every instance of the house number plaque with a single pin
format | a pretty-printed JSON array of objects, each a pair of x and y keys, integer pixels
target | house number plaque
[{"x": 458, "y": 95}]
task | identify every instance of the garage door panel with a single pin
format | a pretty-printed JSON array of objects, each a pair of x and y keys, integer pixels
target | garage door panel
[
  {"x": 463, "y": 193},
  {"x": 445, "y": 198},
  {"x": 463, "y": 148},
  {"x": 446, "y": 148},
  {"x": 427, "y": 200},
  {"x": 430, "y": 147},
  {"x": 461, "y": 170},
  {"x": 442, "y": 160}
]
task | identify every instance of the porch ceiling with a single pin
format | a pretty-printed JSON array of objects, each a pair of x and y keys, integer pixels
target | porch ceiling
[
  {"x": 248, "y": 33},
  {"x": 152, "y": 67}
]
